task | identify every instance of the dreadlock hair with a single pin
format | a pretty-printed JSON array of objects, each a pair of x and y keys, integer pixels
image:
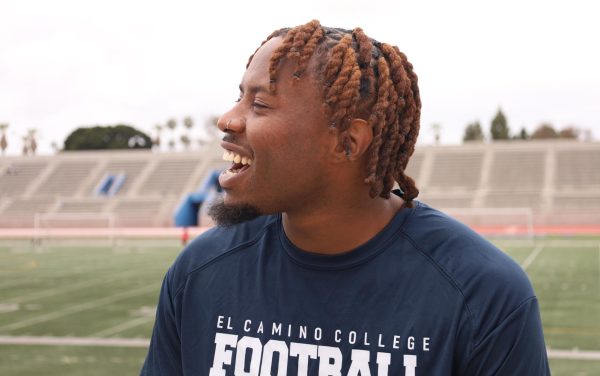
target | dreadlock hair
[{"x": 361, "y": 78}]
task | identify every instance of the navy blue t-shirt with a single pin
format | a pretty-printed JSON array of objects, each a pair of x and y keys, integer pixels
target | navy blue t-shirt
[{"x": 425, "y": 296}]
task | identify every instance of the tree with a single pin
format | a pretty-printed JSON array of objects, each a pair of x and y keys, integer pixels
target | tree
[
  {"x": 107, "y": 137},
  {"x": 544, "y": 131},
  {"x": 25, "y": 148},
  {"x": 185, "y": 140},
  {"x": 32, "y": 142},
  {"x": 499, "y": 129},
  {"x": 188, "y": 123},
  {"x": 158, "y": 129},
  {"x": 569, "y": 132},
  {"x": 473, "y": 132},
  {"x": 522, "y": 135},
  {"x": 3, "y": 142},
  {"x": 172, "y": 124}
]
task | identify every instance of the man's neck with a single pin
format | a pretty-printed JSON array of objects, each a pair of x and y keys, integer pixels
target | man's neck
[{"x": 340, "y": 227}]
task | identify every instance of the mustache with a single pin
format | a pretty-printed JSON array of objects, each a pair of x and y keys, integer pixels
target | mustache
[{"x": 230, "y": 138}]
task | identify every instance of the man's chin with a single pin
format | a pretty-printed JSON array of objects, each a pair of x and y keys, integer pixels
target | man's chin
[{"x": 229, "y": 214}]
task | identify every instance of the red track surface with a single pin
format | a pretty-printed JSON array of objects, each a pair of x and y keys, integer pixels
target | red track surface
[{"x": 175, "y": 233}]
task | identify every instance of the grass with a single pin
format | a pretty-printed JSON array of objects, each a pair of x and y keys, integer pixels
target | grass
[
  {"x": 566, "y": 279},
  {"x": 97, "y": 291},
  {"x": 70, "y": 360}
]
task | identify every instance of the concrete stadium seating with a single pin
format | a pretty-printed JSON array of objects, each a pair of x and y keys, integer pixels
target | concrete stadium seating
[
  {"x": 66, "y": 184},
  {"x": 558, "y": 180}
]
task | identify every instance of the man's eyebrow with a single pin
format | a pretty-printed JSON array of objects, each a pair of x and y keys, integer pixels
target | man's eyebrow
[{"x": 255, "y": 89}]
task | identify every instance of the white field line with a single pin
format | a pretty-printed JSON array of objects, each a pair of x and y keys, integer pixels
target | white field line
[
  {"x": 144, "y": 342},
  {"x": 573, "y": 354},
  {"x": 123, "y": 326},
  {"x": 74, "y": 341},
  {"x": 554, "y": 243},
  {"x": 74, "y": 286},
  {"x": 532, "y": 256},
  {"x": 78, "y": 308}
]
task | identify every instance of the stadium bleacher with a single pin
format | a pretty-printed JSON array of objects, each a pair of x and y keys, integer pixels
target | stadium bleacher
[{"x": 559, "y": 181}]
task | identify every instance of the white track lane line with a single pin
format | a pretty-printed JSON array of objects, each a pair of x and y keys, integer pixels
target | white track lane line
[
  {"x": 532, "y": 256},
  {"x": 123, "y": 326},
  {"x": 74, "y": 341},
  {"x": 573, "y": 354},
  {"x": 79, "y": 308}
]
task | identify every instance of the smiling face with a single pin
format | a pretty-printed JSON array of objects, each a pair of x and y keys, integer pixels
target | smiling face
[
  {"x": 282, "y": 137},
  {"x": 309, "y": 95}
]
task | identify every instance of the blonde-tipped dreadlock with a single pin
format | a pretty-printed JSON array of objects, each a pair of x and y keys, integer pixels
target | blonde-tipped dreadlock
[{"x": 362, "y": 78}]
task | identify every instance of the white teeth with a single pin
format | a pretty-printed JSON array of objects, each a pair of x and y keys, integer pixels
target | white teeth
[{"x": 230, "y": 156}]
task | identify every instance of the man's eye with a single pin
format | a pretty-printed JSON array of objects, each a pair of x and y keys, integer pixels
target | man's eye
[{"x": 259, "y": 105}]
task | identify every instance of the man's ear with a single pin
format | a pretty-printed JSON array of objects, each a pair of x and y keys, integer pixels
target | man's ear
[{"x": 354, "y": 142}]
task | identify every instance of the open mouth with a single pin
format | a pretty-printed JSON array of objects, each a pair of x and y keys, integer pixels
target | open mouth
[{"x": 239, "y": 163}]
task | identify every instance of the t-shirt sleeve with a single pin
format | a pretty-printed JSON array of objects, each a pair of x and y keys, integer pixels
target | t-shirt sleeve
[
  {"x": 164, "y": 353},
  {"x": 513, "y": 348}
]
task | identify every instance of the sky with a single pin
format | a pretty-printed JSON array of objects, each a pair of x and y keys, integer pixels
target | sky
[{"x": 66, "y": 64}]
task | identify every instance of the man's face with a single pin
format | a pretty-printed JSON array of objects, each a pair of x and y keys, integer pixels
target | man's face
[{"x": 285, "y": 135}]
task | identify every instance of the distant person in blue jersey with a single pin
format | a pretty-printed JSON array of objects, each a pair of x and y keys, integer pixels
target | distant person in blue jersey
[{"x": 318, "y": 266}]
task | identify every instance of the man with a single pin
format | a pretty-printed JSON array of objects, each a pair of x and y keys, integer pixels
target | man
[{"x": 317, "y": 267}]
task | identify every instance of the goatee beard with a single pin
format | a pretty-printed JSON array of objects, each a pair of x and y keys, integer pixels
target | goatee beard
[{"x": 225, "y": 215}]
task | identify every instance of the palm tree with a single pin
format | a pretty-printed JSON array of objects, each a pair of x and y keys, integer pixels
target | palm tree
[
  {"x": 32, "y": 142},
  {"x": 25, "y": 148},
  {"x": 3, "y": 142},
  {"x": 188, "y": 123},
  {"x": 172, "y": 124},
  {"x": 158, "y": 129},
  {"x": 185, "y": 140}
]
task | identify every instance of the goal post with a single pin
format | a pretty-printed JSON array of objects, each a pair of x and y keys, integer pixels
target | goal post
[
  {"x": 73, "y": 225},
  {"x": 496, "y": 221}
]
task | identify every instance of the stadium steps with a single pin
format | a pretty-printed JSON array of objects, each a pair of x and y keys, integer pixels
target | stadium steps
[
  {"x": 20, "y": 212},
  {"x": 66, "y": 178},
  {"x": 137, "y": 184},
  {"x": 455, "y": 170},
  {"x": 91, "y": 179},
  {"x": 559, "y": 180},
  {"x": 578, "y": 169},
  {"x": 16, "y": 178},
  {"x": 484, "y": 178},
  {"x": 168, "y": 177}
]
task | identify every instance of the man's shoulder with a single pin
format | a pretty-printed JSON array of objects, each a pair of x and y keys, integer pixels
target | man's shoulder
[
  {"x": 491, "y": 283},
  {"x": 455, "y": 247},
  {"x": 218, "y": 243}
]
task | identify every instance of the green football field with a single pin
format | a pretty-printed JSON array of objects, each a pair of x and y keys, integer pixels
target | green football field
[{"x": 68, "y": 309}]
